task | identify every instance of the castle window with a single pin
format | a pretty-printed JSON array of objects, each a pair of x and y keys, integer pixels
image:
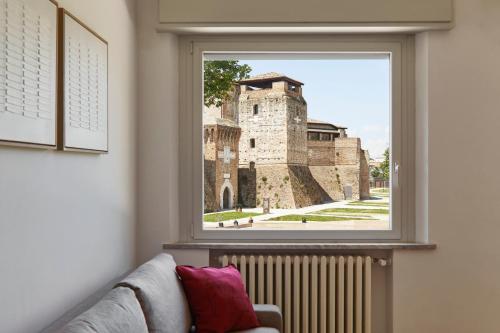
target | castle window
[
  {"x": 313, "y": 136},
  {"x": 255, "y": 109},
  {"x": 212, "y": 135},
  {"x": 252, "y": 143}
]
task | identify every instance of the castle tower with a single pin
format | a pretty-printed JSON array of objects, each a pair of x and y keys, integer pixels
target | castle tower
[
  {"x": 221, "y": 137},
  {"x": 272, "y": 115}
]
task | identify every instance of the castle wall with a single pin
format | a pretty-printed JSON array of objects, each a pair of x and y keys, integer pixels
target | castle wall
[
  {"x": 306, "y": 189},
  {"x": 288, "y": 186},
  {"x": 321, "y": 153},
  {"x": 209, "y": 148},
  {"x": 212, "y": 111},
  {"x": 296, "y": 123},
  {"x": 348, "y": 155},
  {"x": 347, "y": 151},
  {"x": 339, "y": 163},
  {"x": 229, "y": 109},
  {"x": 273, "y": 182},
  {"x": 326, "y": 176},
  {"x": 210, "y": 200},
  {"x": 247, "y": 186},
  {"x": 364, "y": 175}
]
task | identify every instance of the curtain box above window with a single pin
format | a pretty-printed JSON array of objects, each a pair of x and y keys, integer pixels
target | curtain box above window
[{"x": 421, "y": 13}]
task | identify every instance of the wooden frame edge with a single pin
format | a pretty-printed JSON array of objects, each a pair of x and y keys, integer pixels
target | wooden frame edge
[
  {"x": 65, "y": 11},
  {"x": 60, "y": 79},
  {"x": 61, "y": 146}
]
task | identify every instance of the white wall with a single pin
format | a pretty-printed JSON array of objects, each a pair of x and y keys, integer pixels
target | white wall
[
  {"x": 455, "y": 288},
  {"x": 67, "y": 220},
  {"x": 158, "y": 134}
]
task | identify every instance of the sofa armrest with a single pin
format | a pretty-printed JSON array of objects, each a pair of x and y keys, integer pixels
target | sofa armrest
[{"x": 269, "y": 316}]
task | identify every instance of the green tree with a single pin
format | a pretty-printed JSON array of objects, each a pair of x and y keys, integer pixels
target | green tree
[
  {"x": 376, "y": 173},
  {"x": 385, "y": 165},
  {"x": 383, "y": 170},
  {"x": 220, "y": 76}
]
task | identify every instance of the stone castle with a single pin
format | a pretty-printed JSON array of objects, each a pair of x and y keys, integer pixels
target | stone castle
[{"x": 260, "y": 144}]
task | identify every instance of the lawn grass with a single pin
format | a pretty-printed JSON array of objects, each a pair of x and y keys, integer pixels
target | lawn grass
[
  {"x": 314, "y": 218},
  {"x": 380, "y": 190},
  {"x": 361, "y": 216},
  {"x": 369, "y": 204},
  {"x": 224, "y": 216},
  {"x": 354, "y": 211}
]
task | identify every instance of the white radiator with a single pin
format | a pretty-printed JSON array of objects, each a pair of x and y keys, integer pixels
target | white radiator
[{"x": 316, "y": 294}]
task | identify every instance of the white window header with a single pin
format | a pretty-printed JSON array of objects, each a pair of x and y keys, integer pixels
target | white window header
[{"x": 420, "y": 15}]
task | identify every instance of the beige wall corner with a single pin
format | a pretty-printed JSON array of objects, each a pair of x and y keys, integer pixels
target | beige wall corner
[
  {"x": 454, "y": 289},
  {"x": 158, "y": 212}
]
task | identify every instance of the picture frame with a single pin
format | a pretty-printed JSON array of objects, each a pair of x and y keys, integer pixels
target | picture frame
[
  {"x": 28, "y": 73},
  {"x": 83, "y": 87}
]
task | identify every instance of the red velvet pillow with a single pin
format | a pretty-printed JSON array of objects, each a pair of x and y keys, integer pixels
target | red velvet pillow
[{"x": 217, "y": 299}]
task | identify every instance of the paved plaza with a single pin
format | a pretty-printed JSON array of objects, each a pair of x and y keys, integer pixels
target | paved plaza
[{"x": 371, "y": 214}]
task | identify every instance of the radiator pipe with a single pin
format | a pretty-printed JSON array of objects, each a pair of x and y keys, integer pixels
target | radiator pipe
[{"x": 382, "y": 262}]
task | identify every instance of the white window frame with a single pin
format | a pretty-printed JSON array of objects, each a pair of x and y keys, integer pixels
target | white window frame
[{"x": 401, "y": 49}]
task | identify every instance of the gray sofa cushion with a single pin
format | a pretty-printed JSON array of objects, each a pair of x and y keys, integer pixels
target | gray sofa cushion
[
  {"x": 269, "y": 316},
  {"x": 118, "y": 312},
  {"x": 160, "y": 293}
]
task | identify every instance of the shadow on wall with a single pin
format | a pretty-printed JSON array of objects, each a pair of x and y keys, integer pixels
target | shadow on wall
[
  {"x": 247, "y": 186},
  {"x": 131, "y": 8},
  {"x": 306, "y": 190},
  {"x": 89, "y": 302},
  {"x": 209, "y": 179}
]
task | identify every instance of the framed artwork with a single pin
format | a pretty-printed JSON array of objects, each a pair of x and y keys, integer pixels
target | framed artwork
[
  {"x": 83, "y": 87},
  {"x": 28, "y": 72}
]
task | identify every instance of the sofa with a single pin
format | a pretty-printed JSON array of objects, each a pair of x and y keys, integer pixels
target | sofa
[{"x": 151, "y": 299}]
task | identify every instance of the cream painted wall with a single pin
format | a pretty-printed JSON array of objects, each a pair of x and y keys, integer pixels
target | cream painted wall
[
  {"x": 67, "y": 220},
  {"x": 158, "y": 134},
  {"x": 452, "y": 289},
  {"x": 455, "y": 288}
]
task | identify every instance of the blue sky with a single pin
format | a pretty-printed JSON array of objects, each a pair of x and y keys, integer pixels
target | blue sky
[{"x": 351, "y": 92}]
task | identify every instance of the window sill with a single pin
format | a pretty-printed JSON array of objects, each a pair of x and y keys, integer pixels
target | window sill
[{"x": 298, "y": 246}]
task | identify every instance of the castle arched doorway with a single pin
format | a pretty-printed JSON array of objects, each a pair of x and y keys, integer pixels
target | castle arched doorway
[
  {"x": 226, "y": 195},
  {"x": 225, "y": 199}
]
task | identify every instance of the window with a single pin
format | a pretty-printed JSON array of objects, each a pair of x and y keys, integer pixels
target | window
[
  {"x": 313, "y": 136},
  {"x": 325, "y": 137},
  {"x": 325, "y": 168}
]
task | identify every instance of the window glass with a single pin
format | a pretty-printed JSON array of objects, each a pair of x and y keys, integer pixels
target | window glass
[{"x": 324, "y": 152}]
